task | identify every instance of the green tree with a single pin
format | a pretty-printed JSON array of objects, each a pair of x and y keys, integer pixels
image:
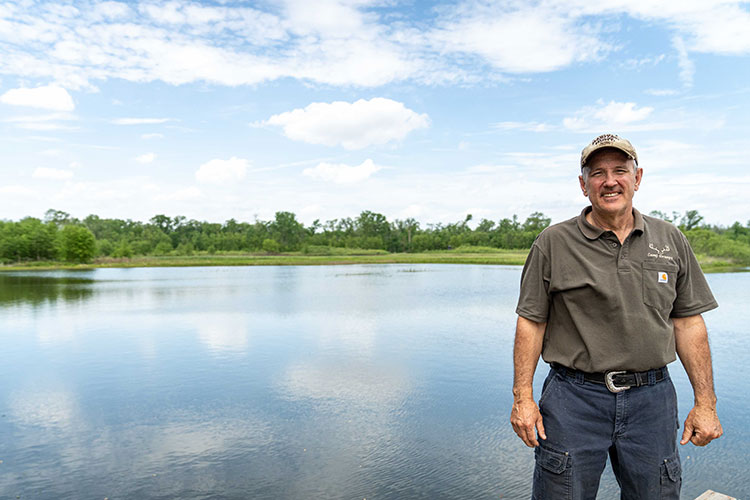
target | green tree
[
  {"x": 58, "y": 217},
  {"x": 690, "y": 220},
  {"x": 287, "y": 231},
  {"x": 78, "y": 244},
  {"x": 660, "y": 215},
  {"x": 536, "y": 222}
]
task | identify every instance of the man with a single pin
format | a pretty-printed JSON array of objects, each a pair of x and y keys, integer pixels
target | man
[{"x": 608, "y": 298}]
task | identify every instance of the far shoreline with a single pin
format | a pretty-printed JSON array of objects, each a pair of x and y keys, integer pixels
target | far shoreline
[{"x": 463, "y": 255}]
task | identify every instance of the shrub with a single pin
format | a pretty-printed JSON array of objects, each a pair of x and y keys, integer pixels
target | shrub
[{"x": 271, "y": 246}]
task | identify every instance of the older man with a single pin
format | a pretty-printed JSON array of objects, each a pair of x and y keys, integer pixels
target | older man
[{"x": 607, "y": 299}]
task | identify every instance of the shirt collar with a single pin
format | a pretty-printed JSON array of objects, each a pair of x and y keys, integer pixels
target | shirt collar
[{"x": 592, "y": 232}]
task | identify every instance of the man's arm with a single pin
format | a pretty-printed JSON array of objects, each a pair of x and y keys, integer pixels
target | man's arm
[
  {"x": 525, "y": 416},
  {"x": 691, "y": 338}
]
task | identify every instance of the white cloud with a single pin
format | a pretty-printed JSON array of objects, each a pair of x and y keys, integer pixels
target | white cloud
[
  {"x": 529, "y": 39},
  {"x": 661, "y": 92},
  {"x": 140, "y": 121},
  {"x": 185, "y": 194},
  {"x": 111, "y": 10},
  {"x": 219, "y": 171},
  {"x": 16, "y": 191},
  {"x": 152, "y": 136},
  {"x": 352, "y": 125},
  {"x": 338, "y": 42},
  {"x": 44, "y": 122},
  {"x": 340, "y": 173},
  {"x": 687, "y": 68},
  {"x": 611, "y": 116},
  {"x": 146, "y": 158},
  {"x": 47, "y": 97},
  {"x": 51, "y": 173},
  {"x": 45, "y": 127},
  {"x": 525, "y": 126}
]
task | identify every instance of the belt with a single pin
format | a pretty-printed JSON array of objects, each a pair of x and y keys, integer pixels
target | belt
[{"x": 617, "y": 380}]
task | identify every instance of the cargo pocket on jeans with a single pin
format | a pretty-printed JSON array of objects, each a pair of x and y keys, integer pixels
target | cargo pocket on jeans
[
  {"x": 671, "y": 478},
  {"x": 551, "y": 475}
]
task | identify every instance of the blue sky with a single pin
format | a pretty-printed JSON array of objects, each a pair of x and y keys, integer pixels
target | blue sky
[{"x": 430, "y": 110}]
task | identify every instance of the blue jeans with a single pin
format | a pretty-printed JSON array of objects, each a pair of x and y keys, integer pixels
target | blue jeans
[{"x": 584, "y": 423}]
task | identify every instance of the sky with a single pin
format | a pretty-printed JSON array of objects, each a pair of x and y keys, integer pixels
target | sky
[{"x": 325, "y": 108}]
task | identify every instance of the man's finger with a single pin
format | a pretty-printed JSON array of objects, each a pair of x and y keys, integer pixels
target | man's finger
[
  {"x": 531, "y": 438},
  {"x": 540, "y": 428},
  {"x": 698, "y": 440},
  {"x": 687, "y": 434}
]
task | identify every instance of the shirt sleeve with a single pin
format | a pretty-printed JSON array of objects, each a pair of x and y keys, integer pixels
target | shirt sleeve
[
  {"x": 693, "y": 293},
  {"x": 533, "y": 301}
]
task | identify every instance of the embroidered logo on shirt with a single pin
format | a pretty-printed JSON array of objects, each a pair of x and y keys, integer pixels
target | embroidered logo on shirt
[
  {"x": 663, "y": 277},
  {"x": 660, "y": 252}
]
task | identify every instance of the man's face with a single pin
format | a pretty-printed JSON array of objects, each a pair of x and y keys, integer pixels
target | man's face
[{"x": 611, "y": 181}]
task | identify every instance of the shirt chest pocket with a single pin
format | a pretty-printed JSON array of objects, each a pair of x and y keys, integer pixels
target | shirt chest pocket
[{"x": 659, "y": 284}]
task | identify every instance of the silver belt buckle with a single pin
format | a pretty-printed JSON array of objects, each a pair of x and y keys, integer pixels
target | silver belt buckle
[{"x": 611, "y": 384}]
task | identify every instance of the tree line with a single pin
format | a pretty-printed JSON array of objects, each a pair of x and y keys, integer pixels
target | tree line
[{"x": 58, "y": 236}]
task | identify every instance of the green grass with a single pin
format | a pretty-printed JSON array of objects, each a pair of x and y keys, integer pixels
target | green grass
[
  {"x": 329, "y": 256},
  {"x": 335, "y": 257}
]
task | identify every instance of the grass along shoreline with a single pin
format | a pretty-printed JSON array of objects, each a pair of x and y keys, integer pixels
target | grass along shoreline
[
  {"x": 478, "y": 255},
  {"x": 335, "y": 256}
]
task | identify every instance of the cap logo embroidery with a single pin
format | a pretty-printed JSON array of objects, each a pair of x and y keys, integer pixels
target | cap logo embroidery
[
  {"x": 663, "y": 277},
  {"x": 605, "y": 139}
]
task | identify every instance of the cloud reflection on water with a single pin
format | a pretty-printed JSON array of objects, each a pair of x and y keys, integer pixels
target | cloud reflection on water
[{"x": 224, "y": 332}]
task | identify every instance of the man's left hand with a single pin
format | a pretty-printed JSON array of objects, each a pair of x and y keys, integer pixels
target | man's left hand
[{"x": 701, "y": 426}]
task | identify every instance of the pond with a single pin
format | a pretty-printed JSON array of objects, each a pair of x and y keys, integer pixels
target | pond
[{"x": 362, "y": 381}]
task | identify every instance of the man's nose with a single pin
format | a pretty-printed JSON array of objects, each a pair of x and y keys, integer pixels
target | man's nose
[{"x": 610, "y": 179}]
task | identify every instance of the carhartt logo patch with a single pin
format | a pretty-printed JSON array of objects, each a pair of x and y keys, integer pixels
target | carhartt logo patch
[{"x": 663, "y": 277}]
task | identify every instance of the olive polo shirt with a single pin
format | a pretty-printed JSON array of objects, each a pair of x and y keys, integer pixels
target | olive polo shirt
[{"x": 608, "y": 306}]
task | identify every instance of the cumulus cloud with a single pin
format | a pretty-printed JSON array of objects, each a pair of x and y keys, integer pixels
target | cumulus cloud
[
  {"x": 146, "y": 158},
  {"x": 47, "y": 97},
  {"x": 340, "y": 173},
  {"x": 52, "y": 173},
  {"x": 610, "y": 116},
  {"x": 219, "y": 171},
  {"x": 353, "y": 125}
]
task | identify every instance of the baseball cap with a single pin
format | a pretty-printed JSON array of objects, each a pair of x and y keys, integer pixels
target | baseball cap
[{"x": 609, "y": 141}]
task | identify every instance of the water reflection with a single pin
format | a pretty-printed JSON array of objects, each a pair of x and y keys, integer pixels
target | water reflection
[
  {"x": 36, "y": 290},
  {"x": 320, "y": 382},
  {"x": 226, "y": 332}
]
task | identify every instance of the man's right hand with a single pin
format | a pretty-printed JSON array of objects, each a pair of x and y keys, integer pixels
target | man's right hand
[{"x": 527, "y": 421}]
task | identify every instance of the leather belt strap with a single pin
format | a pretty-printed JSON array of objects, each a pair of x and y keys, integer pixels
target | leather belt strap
[{"x": 619, "y": 379}]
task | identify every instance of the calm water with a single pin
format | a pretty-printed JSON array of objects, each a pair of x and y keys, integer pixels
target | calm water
[{"x": 295, "y": 382}]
